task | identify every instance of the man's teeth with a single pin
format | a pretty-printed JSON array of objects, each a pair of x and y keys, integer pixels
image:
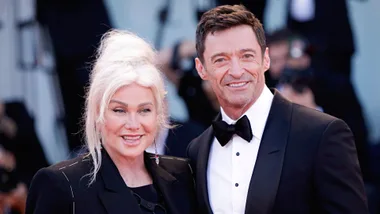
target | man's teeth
[
  {"x": 237, "y": 84},
  {"x": 131, "y": 138}
]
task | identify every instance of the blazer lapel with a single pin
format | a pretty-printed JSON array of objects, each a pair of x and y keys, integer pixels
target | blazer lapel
[
  {"x": 166, "y": 183},
  {"x": 205, "y": 141},
  {"x": 266, "y": 175},
  {"x": 115, "y": 195}
]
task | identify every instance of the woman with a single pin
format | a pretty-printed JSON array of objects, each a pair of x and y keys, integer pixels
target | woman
[{"x": 124, "y": 112}]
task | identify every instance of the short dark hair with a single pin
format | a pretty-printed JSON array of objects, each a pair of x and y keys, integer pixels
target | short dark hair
[
  {"x": 225, "y": 17},
  {"x": 281, "y": 35}
]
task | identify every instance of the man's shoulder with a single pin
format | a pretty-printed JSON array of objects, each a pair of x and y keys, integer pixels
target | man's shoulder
[
  {"x": 310, "y": 122},
  {"x": 299, "y": 114},
  {"x": 199, "y": 140},
  {"x": 311, "y": 116}
]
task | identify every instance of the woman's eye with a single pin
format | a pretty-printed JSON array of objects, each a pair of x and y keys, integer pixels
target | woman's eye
[
  {"x": 145, "y": 110},
  {"x": 118, "y": 110}
]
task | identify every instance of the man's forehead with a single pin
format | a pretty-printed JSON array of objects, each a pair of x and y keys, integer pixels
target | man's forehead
[{"x": 239, "y": 38}]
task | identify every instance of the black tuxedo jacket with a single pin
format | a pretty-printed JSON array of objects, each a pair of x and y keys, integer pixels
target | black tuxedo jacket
[
  {"x": 63, "y": 188},
  {"x": 306, "y": 163}
]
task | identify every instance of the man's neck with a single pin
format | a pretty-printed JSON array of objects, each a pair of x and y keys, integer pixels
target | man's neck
[{"x": 235, "y": 112}]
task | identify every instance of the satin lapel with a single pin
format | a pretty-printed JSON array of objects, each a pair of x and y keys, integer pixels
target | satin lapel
[
  {"x": 166, "y": 183},
  {"x": 267, "y": 172},
  {"x": 115, "y": 195},
  {"x": 205, "y": 141}
]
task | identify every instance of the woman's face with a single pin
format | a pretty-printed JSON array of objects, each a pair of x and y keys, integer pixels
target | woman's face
[{"x": 130, "y": 122}]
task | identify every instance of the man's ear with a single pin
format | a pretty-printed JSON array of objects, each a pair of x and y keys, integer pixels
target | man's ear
[
  {"x": 200, "y": 68},
  {"x": 266, "y": 59}
]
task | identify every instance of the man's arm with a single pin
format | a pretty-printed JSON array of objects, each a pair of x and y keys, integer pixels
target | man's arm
[
  {"x": 190, "y": 153},
  {"x": 338, "y": 178}
]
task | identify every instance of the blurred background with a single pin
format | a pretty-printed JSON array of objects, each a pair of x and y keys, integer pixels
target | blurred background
[{"x": 323, "y": 55}]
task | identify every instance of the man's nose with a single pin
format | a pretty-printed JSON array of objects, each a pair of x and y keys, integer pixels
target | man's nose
[{"x": 236, "y": 69}]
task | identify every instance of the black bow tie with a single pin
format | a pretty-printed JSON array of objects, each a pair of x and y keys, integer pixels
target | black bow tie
[{"x": 223, "y": 132}]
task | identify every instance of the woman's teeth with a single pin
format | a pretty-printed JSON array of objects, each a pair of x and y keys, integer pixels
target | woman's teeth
[{"x": 131, "y": 138}]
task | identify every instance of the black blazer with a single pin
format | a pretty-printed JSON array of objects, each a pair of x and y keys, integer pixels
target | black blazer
[
  {"x": 63, "y": 188},
  {"x": 306, "y": 163}
]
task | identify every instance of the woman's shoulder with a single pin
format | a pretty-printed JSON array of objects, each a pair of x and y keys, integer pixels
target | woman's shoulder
[
  {"x": 82, "y": 159},
  {"x": 74, "y": 168},
  {"x": 172, "y": 163},
  {"x": 174, "y": 159},
  {"x": 54, "y": 187}
]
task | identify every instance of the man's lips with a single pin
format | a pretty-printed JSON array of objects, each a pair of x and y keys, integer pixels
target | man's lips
[{"x": 237, "y": 84}]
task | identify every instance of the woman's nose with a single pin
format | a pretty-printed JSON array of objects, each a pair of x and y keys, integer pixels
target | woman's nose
[{"x": 132, "y": 122}]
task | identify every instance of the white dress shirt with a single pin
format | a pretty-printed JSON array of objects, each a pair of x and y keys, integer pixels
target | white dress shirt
[
  {"x": 302, "y": 10},
  {"x": 230, "y": 167}
]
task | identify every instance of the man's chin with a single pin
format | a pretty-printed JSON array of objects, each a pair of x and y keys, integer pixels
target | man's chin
[{"x": 239, "y": 101}]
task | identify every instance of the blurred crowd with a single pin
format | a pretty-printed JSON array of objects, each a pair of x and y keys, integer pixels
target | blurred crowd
[{"x": 310, "y": 65}]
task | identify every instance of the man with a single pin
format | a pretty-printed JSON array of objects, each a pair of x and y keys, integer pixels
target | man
[
  {"x": 326, "y": 25},
  {"x": 296, "y": 160}
]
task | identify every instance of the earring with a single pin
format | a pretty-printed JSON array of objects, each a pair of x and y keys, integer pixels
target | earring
[{"x": 156, "y": 153}]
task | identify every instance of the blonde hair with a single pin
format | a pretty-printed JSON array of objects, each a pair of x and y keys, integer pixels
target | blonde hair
[{"x": 122, "y": 58}]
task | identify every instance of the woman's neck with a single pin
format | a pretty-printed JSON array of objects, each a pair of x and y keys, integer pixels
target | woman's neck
[{"x": 133, "y": 171}]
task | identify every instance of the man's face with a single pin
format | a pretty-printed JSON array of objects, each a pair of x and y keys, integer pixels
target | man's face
[
  {"x": 234, "y": 66},
  {"x": 278, "y": 53}
]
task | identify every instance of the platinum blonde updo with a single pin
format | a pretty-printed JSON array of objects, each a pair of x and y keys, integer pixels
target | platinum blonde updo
[{"x": 122, "y": 58}]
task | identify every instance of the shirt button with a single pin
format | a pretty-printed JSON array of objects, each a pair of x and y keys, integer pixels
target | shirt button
[
  {"x": 237, "y": 153},
  {"x": 236, "y": 184}
]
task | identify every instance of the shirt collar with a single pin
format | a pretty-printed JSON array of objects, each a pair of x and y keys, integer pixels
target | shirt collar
[{"x": 257, "y": 113}]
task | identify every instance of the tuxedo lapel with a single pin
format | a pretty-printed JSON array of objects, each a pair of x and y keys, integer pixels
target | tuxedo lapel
[
  {"x": 267, "y": 172},
  {"x": 115, "y": 195},
  {"x": 205, "y": 141}
]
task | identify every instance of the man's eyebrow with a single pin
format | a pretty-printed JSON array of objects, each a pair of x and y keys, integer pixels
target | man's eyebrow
[
  {"x": 247, "y": 50},
  {"x": 217, "y": 55},
  {"x": 225, "y": 54}
]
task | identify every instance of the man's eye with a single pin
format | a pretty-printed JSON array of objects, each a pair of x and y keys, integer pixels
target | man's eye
[
  {"x": 219, "y": 60},
  {"x": 247, "y": 56}
]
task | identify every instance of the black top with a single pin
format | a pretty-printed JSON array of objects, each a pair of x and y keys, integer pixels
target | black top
[
  {"x": 63, "y": 188},
  {"x": 149, "y": 199}
]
